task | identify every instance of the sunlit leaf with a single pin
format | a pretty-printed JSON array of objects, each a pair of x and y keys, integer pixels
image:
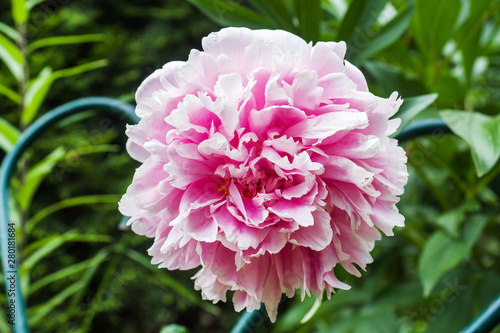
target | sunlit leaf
[
  {"x": 38, "y": 312},
  {"x": 64, "y": 40},
  {"x": 482, "y": 134},
  {"x": 40, "y": 87},
  {"x": 36, "y": 93},
  {"x": 9, "y": 93},
  {"x": 38, "y": 250},
  {"x": 311, "y": 312},
  {"x": 9, "y": 32},
  {"x": 68, "y": 271},
  {"x": 174, "y": 328},
  {"x": 36, "y": 175},
  {"x": 8, "y": 135},
  {"x": 80, "y": 69},
  {"x": 19, "y": 11},
  {"x": 11, "y": 56}
]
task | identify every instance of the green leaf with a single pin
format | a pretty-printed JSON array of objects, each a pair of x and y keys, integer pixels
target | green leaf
[
  {"x": 71, "y": 202},
  {"x": 309, "y": 14},
  {"x": 378, "y": 322},
  {"x": 290, "y": 320},
  {"x": 64, "y": 40},
  {"x": 469, "y": 33},
  {"x": 32, "y": 3},
  {"x": 482, "y": 134},
  {"x": 174, "y": 328},
  {"x": 171, "y": 282},
  {"x": 39, "y": 88},
  {"x": 68, "y": 271},
  {"x": 433, "y": 25},
  {"x": 12, "y": 57},
  {"x": 451, "y": 220},
  {"x": 86, "y": 278},
  {"x": 442, "y": 253},
  {"x": 36, "y": 175},
  {"x": 411, "y": 107},
  {"x": 358, "y": 23},
  {"x": 454, "y": 307},
  {"x": 4, "y": 326},
  {"x": 8, "y": 135},
  {"x": 9, "y": 93},
  {"x": 38, "y": 312},
  {"x": 449, "y": 90},
  {"x": 311, "y": 312},
  {"x": 9, "y": 32},
  {"x": 39, "y": 250},
  {"x": 389, "y": 78},
  {"x": 276, "y": 11},
  {"x": 228, "y": 13},
  {"x": 19, "y": 11},
  {"x": 36, "y": 93},
  {"x": 80, "y": 69},
  {"x": 383, "y": 38}
]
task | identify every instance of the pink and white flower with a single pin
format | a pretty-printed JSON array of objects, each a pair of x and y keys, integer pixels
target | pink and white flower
[{"x": 267, "y": 162}]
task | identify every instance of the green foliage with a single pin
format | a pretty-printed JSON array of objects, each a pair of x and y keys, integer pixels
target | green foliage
[
  {"x": 36, "y": 175},
  {"x": 232, "y": 14},
  {"x": 8, "y": 135},
  {"x": 64, "y": 40},
  {"x": 438, "y": 56},
  {"x": 11, "y": 56},
  {"x": 173, "y": 328},
  {"x": 38, "y": 89},
  {"x": 309, "y": 17},
  {"x": 411, "y": 107},
  {"x": 482, "y": 134},
  {"x": 72, "y": 253},
  {"x": 443, "y": 252},
  {"x": 434, "y": 275}
]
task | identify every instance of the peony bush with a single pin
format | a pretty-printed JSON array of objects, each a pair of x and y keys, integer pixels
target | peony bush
[{"x": 266, "y": 162}]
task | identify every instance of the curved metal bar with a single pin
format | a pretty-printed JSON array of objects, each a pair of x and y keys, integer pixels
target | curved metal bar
[
  {"x": 249, "y": 320},
  {"x": 10, "y": 270},
  {"x": 434, "y": 126},
  {"x": 487, "y": 320},
  {"x": 490, "y": 317}
]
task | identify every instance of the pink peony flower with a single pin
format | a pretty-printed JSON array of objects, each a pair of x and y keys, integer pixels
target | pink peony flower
[{"x": 267, "y": 162}]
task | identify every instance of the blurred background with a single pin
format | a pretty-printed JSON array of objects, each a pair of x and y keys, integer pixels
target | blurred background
[{"x": 81, "y": 274}]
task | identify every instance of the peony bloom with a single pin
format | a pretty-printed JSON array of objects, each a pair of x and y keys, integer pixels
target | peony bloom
[{"x": 266, "y": 162}]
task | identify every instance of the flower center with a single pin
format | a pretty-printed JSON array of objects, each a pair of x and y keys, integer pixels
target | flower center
[{"x": 250, "y": 189}]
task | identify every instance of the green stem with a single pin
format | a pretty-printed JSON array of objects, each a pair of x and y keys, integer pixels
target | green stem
[
  {"x": 483, "y": 182},
  {"x": 23, "y": 163}
]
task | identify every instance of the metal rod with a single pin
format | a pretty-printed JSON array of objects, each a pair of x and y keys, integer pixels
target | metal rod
[{"x": 15, "y": 298}]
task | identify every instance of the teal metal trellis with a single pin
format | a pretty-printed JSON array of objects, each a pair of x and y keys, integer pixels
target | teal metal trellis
[{"x": 485, "y": 322}]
